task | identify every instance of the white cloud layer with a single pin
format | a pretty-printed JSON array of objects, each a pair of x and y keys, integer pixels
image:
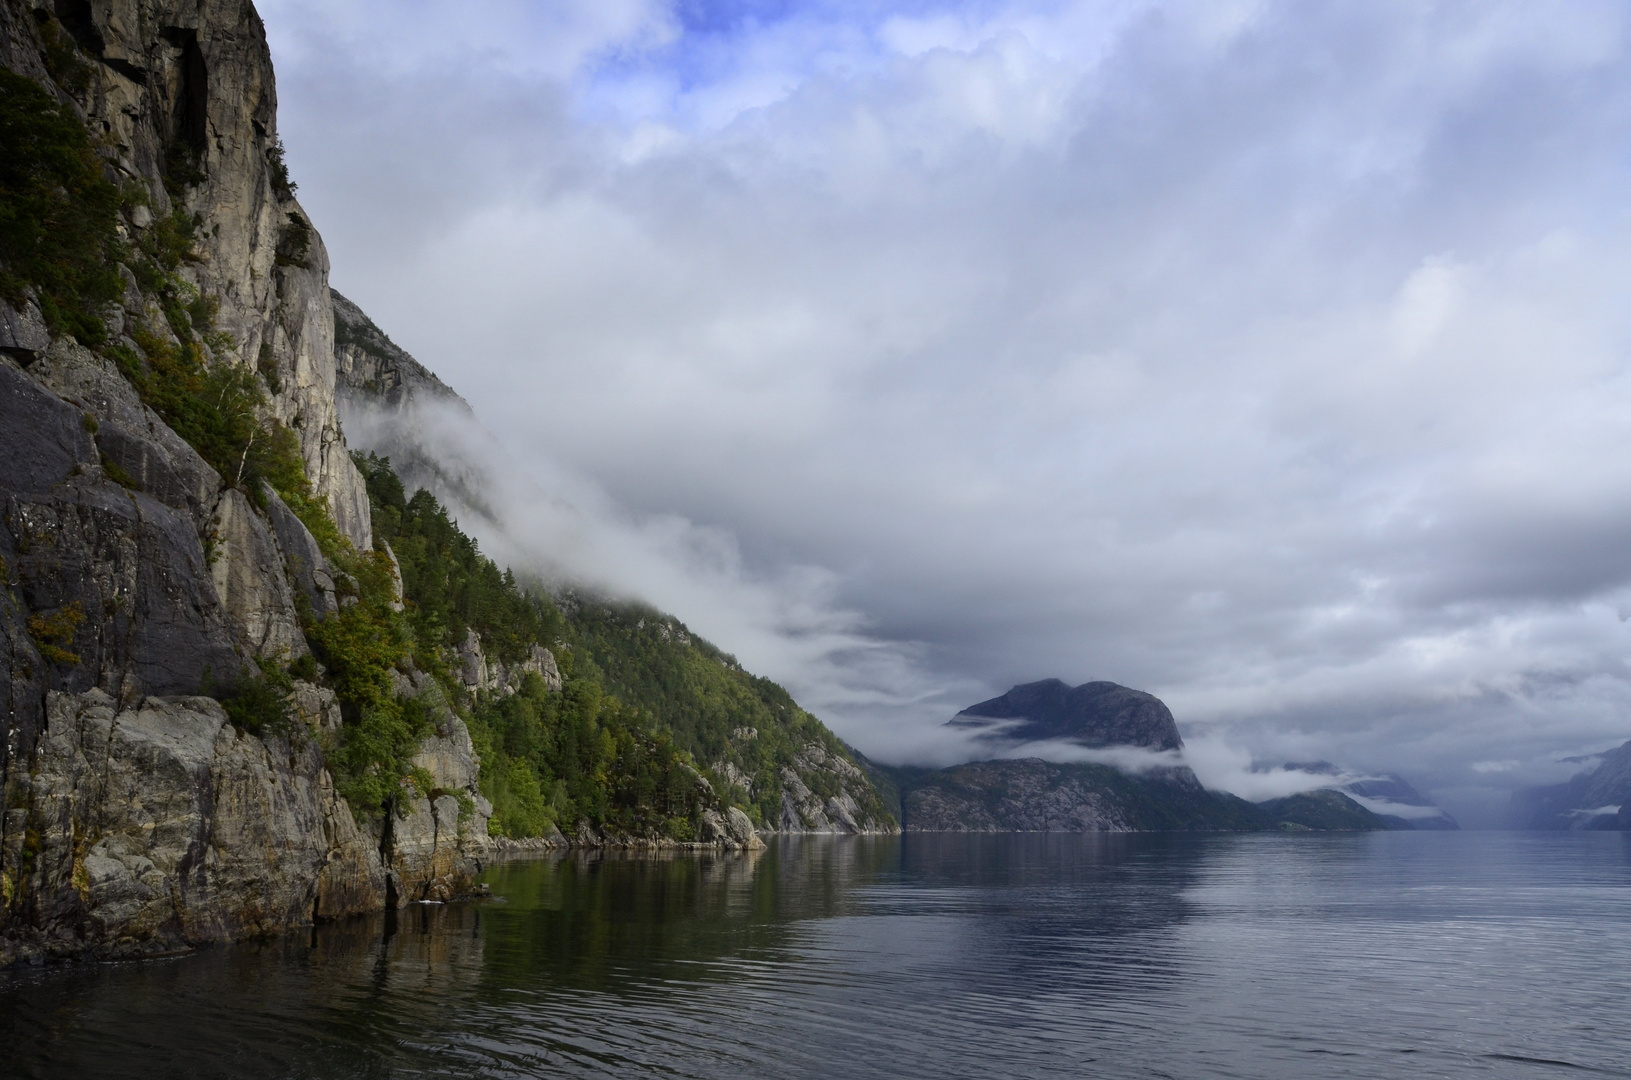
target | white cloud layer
[{"x": 1267, "y": 356}]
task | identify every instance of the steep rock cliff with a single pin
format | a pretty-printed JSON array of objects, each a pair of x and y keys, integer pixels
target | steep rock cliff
[
  {"x": 158, "y": 825},
  {"x": 184, "y": 91},
  {"x": 136, "y": 576}
]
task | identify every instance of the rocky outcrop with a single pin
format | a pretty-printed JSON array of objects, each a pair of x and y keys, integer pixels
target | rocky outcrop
[
  {"x": 729, "y": 828},
  {"x": 375, "y": 372},
  {"x": 157, "y": 826},
  {"x": 23, "y": 336},
  {"x": 432, "y": 849},
  {"x": 1031, "y": 795},
  {"x": 248, "y": 570},
  {"x": 483, "y": 676},
  {"x": 823, "y": 792},
  {"x": 1095, "y": 714}
]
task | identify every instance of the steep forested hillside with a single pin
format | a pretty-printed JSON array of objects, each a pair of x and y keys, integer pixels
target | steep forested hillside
[{"x": 643, "y": 700}]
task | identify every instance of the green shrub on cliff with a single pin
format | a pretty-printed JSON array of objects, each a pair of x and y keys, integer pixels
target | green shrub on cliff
[
  {"x": 58, "y": 213},
  {"x": 220, "y": 409}
]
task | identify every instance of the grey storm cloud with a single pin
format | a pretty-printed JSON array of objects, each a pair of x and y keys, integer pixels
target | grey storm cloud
[{"x": 1267, "y": 356}]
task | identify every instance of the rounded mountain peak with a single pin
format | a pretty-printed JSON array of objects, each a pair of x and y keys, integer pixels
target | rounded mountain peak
[{"x": 1093, "y": 714}]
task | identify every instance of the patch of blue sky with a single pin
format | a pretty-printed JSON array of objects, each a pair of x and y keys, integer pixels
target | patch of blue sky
[{"x": 730, "y": 56}]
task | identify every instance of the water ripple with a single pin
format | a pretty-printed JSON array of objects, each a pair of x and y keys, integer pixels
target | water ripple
[{"x": 1487, "y": 955}]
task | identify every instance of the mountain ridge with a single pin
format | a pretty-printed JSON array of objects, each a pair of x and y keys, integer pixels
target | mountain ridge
[{"x": 1591, "y": 800}]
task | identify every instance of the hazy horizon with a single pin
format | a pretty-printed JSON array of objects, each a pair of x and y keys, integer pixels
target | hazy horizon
[{"x": 1267, "y": 357}]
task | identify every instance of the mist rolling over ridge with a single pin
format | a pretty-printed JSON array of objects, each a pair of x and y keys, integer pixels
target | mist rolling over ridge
[{"x": 1267, "y": 358}]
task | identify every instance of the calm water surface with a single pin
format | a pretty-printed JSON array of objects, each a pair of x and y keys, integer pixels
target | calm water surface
[{"x": 1378, "y": 955}]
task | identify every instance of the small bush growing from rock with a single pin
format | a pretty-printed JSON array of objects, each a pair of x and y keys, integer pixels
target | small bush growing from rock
[
  {"x": 53, "y": 633},
  {"x": 58, "y": 213}
]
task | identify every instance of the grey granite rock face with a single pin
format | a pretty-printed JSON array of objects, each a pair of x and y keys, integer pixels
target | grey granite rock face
[
  {"x": 23, "y": 335},
  {"x": 157, "y": 460},
  {"x": 147, "y": 828},
  {"x": 303, "y": 560},
  {"x": 248, "y": 571},
  {"x": 433, "y": 850},
  {"x": 730, "y": 828},
  {"x": 1012, "y": 796},
  {"x": 373, "y": 369},
  {"x": 127, "y": 570},
  {"x": 805, "y": 811},
  {"x": 136, "y": 818},
  {"x": 483, "y": 676},
  {"x": 195, "y": 76}
]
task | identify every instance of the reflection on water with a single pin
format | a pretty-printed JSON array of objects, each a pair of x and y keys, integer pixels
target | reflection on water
[{"x": 1256, "y": 956}]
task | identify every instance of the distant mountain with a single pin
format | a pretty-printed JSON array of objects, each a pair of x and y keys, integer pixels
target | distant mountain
[
  {"x": 1326, "y": 810},
  {"x": 1033, "y": 795},
  {"x": 1095, "y": 714},
  {"x": 1596, "y": 800},
  {"x": 1389, "y": 796}
]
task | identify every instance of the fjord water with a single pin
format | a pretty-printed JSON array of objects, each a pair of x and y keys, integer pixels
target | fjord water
[{"x": 1364, "y": 955}]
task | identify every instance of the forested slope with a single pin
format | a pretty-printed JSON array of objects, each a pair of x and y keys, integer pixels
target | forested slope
[{"x": 642, "y": 701}]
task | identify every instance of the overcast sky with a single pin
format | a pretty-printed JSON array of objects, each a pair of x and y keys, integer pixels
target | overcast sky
[{"x": 1271, "y": 357}]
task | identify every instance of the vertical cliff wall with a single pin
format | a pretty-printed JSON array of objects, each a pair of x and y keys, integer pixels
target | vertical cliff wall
[
  {"x": 184, "y": 92},
  {"x": 134, "y": 575}
]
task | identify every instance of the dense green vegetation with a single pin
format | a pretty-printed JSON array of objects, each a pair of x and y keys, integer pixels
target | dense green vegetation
[
  {"x": 58, "y": 224},
  {"x": 548, "y": 759},
  {"x": 717, "y": 711},
  {"x": 452, "y": 585}
]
